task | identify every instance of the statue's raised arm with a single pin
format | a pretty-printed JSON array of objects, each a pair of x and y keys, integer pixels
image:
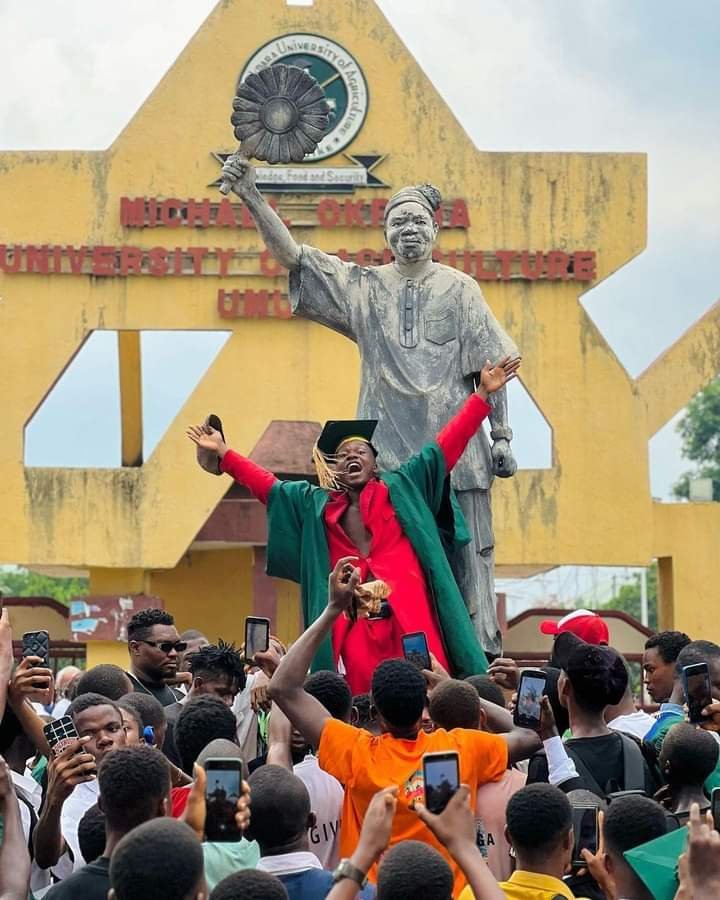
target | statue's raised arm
[{"x": 240, "y": 173}]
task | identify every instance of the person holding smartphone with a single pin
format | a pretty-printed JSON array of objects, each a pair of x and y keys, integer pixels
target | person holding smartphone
[
  {"x": 72, "y": 777},
  {"x": 365, "y": 763},
  {"x": 398, "y": 525}
]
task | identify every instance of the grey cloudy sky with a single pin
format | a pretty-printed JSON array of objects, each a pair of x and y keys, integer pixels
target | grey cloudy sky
[{"x": 522, "y": 75}]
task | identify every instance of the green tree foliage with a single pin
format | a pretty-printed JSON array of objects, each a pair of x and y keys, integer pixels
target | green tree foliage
[
  {"x": 23, "y": 583},
  {"x": 627, "y": 599},
  {"x": 700, "y": 432}
]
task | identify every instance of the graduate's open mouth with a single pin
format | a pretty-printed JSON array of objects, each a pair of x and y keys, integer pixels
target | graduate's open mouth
[{"x": 352, "y": 467}]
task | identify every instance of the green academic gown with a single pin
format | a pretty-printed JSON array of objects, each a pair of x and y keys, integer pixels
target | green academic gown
[{"x": 430, "y": 517}]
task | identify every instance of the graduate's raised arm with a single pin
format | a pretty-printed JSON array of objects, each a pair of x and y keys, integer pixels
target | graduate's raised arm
[
  {"x": 454, "y": 437},
  {"x": 240, "y": 172},
  {"x": 305, "y": 712},
  {"x": 255, "y": 478}
]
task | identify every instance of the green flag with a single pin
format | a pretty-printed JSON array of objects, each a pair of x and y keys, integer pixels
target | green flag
[{"x": 656, "y": 863}]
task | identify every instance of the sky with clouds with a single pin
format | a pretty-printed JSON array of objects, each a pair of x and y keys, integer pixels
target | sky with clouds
[{"x": 519, "y": 75}]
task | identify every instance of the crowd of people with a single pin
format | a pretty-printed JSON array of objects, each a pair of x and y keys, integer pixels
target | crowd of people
[{"x": 330, "y": 799}]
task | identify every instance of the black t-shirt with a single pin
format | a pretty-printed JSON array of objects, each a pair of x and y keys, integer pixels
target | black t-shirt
[
  {"x": 165, "y": 695},
  {"x": 92, "y": 882},
  {"x": 604, "y": 759},
  {"x": 168, "y": 748}
]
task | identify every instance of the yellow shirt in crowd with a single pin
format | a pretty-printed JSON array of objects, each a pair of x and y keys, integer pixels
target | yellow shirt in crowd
[{"x": 529, "y": 886}]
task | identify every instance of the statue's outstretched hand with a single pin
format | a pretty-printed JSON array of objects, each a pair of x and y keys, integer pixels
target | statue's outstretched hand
[
  {"x": 495, "y": 376},
  {"x": 238, "y": 175}
]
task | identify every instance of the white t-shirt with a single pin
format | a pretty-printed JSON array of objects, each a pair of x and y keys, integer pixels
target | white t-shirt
[
  {"x": 247, "y": 723},
  {"x": 326, "y": 800},
  {"x": 637, "y": 723},
  {"x": 32, "y": 792},
  {"x": 74, "y": 808}
]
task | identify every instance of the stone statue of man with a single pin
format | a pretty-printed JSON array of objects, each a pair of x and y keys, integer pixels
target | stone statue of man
[{"x": 424, "y": 332}]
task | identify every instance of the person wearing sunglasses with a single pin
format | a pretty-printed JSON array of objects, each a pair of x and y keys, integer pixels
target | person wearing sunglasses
[{"x": 154, "y": 645}]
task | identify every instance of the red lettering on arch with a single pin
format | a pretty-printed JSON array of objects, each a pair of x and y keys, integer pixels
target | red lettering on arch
[
  {"x": 584, "y": 265},
  {"x": 353, "y": 210},
  {"x": 531, "y": 271},
  {"x": 505, "y": 257},
  {"x": 228, "y": 304},
  {"x": 132, "y": 212},
  {"x": 557, "y": 265},
  {"x": 36, "y": 259},
  {"x": 103, "y": 261},
  {"x": 328, "y": 212},
  {"x": 131, "y": 260},
  {"x": 225, "y": 216},
  {"x": 459, "y": 217}
]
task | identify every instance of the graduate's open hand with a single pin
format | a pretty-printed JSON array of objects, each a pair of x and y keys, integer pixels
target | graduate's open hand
[
  {"x": 207, "y": 438},
  {"x": 344, "y": 578},
  {"x": 496, "y": 375}
]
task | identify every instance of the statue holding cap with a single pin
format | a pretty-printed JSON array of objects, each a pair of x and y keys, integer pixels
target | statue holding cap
[{"x": 424, "y": 332}]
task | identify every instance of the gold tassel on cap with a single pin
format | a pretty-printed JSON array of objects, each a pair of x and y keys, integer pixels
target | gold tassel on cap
[{"x": 326, "y": 477}]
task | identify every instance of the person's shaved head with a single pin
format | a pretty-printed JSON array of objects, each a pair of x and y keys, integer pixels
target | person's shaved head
[
  {"x": 221, "y": 748},
  {"x": 280, "y": 807}
]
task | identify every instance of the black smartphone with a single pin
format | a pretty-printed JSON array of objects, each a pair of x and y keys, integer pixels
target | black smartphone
[
  {"x": 257, "y": 636},
  {"x": 441, "y": 776},
  {"x": 60, "y": 733},
  {"x": 37, "y": 643},
  {"x": 415, "y": 649},
  {"x": 529, "y": 697},
  {"x": 715, "y": 806},
  {"x": 698, "y": 695},
  {"x": 224, "y": 786},
  {"x": 586, "y": 831}
]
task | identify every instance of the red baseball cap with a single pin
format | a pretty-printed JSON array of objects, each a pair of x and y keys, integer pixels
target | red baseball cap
[{"x": 583, "y": 623}]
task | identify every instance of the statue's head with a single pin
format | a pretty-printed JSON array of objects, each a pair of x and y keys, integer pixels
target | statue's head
[{"x": 410, "y": 226}]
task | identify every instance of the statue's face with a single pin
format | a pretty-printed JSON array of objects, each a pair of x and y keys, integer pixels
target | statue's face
[{"x": 410, "y": 232}]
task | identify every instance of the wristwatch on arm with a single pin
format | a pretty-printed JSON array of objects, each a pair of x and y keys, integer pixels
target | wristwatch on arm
[{"x": 346, "y": 869}]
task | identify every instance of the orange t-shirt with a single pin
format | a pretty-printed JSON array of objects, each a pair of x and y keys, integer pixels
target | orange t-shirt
[{"x": 366, "y": 763}]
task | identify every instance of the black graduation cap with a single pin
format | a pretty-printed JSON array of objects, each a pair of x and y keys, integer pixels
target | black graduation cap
[{"x": 336, "y": 432}]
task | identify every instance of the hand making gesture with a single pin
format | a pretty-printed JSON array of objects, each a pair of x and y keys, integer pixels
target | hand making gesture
[{"x": 344, "y": 578}]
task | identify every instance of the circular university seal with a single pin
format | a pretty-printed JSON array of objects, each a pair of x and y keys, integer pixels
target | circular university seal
[{"x": 337, "y": 72}]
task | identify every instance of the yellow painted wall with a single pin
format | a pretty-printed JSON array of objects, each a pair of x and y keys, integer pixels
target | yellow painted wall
[
  {"x": 209, "y": 590},
  {"x": 593, "y": 506}
]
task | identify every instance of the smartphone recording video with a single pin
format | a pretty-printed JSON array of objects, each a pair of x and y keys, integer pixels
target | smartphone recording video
[
  {"x": 441, "y": 775},
  {"x": 585, "y": 828},
  {"x": 257, "y": 636},
  {"x": 224, "y": 777},
  {"x": 60, "y": 733},
  {"x": 415, "y": 649},
  {"x": 715, "y": 807},
  {"x": 698, "y": 695},
  {"x": 529, "y": 699},
  {"x": 37, "y": 643}
]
